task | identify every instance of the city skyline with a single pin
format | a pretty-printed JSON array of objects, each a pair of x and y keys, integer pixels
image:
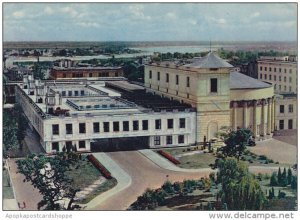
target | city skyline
[{"x": 149, "y": 22}]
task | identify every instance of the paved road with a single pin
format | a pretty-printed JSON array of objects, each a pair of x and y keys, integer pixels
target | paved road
[
  {"x": 24, "y": 191},
  {"x": 144, "y": 174}
]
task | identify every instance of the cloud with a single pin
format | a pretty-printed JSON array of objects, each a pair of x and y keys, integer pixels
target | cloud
[
  {"x": 18, "y": 14},
  {"x": 69, "y": 10},
  {"x": 255, "y": 14},
  {"x": 221, "y": 21},
  {"x": 48, "y": 10},
  {"x": 88, "y": 24}
]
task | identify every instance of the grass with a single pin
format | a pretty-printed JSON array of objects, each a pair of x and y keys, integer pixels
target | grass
[
  {"x": 83, "y": 174},
  {"x": 7, "y": 189},
  {"x": 108, "y": 184}
]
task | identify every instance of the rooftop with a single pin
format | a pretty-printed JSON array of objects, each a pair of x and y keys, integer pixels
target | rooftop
[
  {"x": 209, "y": 61},
  {"x": 241, "y": 81},
  {"x": 88, "y": 68}
]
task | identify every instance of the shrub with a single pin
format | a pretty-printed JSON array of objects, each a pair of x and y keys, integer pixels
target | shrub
[
  {"x": 262, "y": 157},
  {"x": 169, "y": 157},
  {"x": 99, "y": 166},
  {"x": 281, "y": 195}
]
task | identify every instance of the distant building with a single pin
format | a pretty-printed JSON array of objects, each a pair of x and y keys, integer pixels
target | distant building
[
  {"x": 286, "y": 112},
  {"x": 85, "y": 72},
  {"x": 249, "y": 69},
  {"x": 16, "y": 73},
  {"x": 279, "y": 71}
]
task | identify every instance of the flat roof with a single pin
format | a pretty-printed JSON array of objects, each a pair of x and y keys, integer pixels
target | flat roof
[
  {"x": 88, "y": 68},
  {"x": 126, "y": 85}
]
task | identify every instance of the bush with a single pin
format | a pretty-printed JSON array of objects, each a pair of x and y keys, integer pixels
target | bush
[
  {"x": 250, "y": 161},
  {"x": 262, "y": 157},
  {"x": 281, "y": 195}
]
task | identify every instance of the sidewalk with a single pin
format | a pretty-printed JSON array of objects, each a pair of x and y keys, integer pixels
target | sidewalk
[
  {"x": 124, "y": 180},
  {"x": 166, "y": 164},
  {"x": 10, "y": 204}
]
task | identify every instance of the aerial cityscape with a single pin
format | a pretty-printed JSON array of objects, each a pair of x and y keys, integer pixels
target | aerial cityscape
[{"x": 150, "y": 106}]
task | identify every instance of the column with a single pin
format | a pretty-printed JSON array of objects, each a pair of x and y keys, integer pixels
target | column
[
  {"x": 254, "y": 118},
  {"x": 273, "y": 114},
  {"x": 234, "y": 106},
  {"x": 262, "y": 122},
  {"x": 269, "y": 129},
  {"x": 245, "y": 106}
]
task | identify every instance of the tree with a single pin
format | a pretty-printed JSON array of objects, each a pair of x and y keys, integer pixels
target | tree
[
  {"x": 283, "y": 178},
  {"x": 273, "y": 180},
  {"x": 279, "y": 176},
  {"x": 22, "y": 124},
  {"x": 48, "y": 175},
  {"x": 168, "y": 187},
  {"x": 240, "y": 191},
  {"x": 294, "y": 182},
  {"x": 10, "y": 129},
  {"x": 235, "y": 143},
  {"x": 289, "y": 176}
]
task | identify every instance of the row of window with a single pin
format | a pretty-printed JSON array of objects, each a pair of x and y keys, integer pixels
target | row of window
[
  {"x": 169, "y": 140},
  {"x": 282, "y": 89},
  {"x": 275, "y": 78},
  {"x": 168, "y": 78},
  {"x": 116, "y": 126},
  {"x": 275, "y": 69},
  {"x": 290, "y": 108},
  {"x": 281, "y": 124},
  {"x": 70, "y": 93},
  {"x": 79, "y": 75},
  {"x": 55, "y": 145},
  {"x": 213, "y": 81}
]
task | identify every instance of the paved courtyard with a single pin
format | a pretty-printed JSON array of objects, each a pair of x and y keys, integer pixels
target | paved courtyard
[{"x": 277, "y": 150}]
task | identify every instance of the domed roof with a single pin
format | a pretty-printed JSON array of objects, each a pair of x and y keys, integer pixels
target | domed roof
[{"x": 209, "y": 61}]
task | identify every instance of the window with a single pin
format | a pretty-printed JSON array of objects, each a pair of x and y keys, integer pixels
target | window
[
  {"x": 157, "y": 124},
  {"x": 135, "y": 125},
  {"x": 284, "y": 79},
  {"x": 69, "y": 93},
  {"x": 285, "y": 88},
  {"x": 170, "y": 123},
  {"x": 270, "y": 69},
  {"x": 291, "y": 108},
  {"x": 279, "y": 78},
  {"x": 96, "y": 127},
  {"x": 265, "y": 68},
  {"x": 167, "y": 77},
  {"x": 187, "y": 95},
  {"x": 290, "y": 79},
  {"x": 156, "y": 140},
  {"x": 187, "y": 81},
  {"x": 125, "y": 125},
  {"x": 76, "y": 93},
  {"x": 281, "y": 108},
  {"x": 290, "y": 89},
  {"x": 290, "y": 71},
  {"x": 260, "y": 68},
  {"x": 158, "y": 76},
  {"x": 261, "y": 76},
  {"x": 290, "y": 123},
  {"x": 274, "y": 69},
  {"x": 180, "y": 139},
  {"x": 281, "y": 124},
  {"x": 116, "y": 126},
  {"x": 177, "y": 79},
  {"x": 280, "y": 70},
  {"x": 106, "y": 126},
  {"x": 265, "y": 76},
  {"x": 182, "y": 123},
  {"x": 145, "y": 125},
  {"x": 81, "y": 144},
  {"x": 275, "y": 78},
  {"x": 169, "y": 140},
  {"x": 150, "y": 74},
  {"x": 64, "y": 75},
  {"x": 275, "y": 86},
  {"x": 270, "y": 77},
  {"x": 69, "y": 129},
  {"x": 284, "y": 70},
  {"x": 55, "y": 129},
  {"x": 279, "y": 87},
  {"x": 81, "y": 128},
  {"x": 55, "y": 146},
  {"x": 214, "y": 85},
  {"x": 63, "y": 93},
  {"x": 82, "y": 92}
]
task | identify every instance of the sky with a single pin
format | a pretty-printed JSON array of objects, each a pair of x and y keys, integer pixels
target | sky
[{"x": 149, "y": 22}]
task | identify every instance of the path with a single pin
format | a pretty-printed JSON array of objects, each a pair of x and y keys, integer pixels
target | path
[{"x": 144, "y": 174}]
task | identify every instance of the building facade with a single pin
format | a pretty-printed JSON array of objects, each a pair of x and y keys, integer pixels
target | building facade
[
  {"x": 286, "y": 112},
  {"x": 280, "y": 71},
  {"x": 85, "y": 72},
  {"x": 222, "y": 98}
]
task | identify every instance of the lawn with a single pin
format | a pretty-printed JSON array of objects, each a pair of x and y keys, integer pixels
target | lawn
[
  {"x": 84, "y": 174},
  {"x": 7, "y": 189}
]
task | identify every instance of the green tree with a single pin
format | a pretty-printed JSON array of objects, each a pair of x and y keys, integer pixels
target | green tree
[
  {"x": 235, "y": 143},
  {"x": 168, "y": 187},
  {"x": 294, "y": 182},
  {"x": 274, "y": 180},
  {"x": 240, "y": 191},
  {"x": 289, "y": 176},
  {"x": 283, "y": 178},
  {"x": 279, "y": 176},
  {"x": 10, "y": 128},
  {"x": 48, "y": 175}
]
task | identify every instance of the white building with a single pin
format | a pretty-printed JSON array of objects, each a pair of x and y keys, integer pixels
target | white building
[{"x": 92, "y": 116}]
